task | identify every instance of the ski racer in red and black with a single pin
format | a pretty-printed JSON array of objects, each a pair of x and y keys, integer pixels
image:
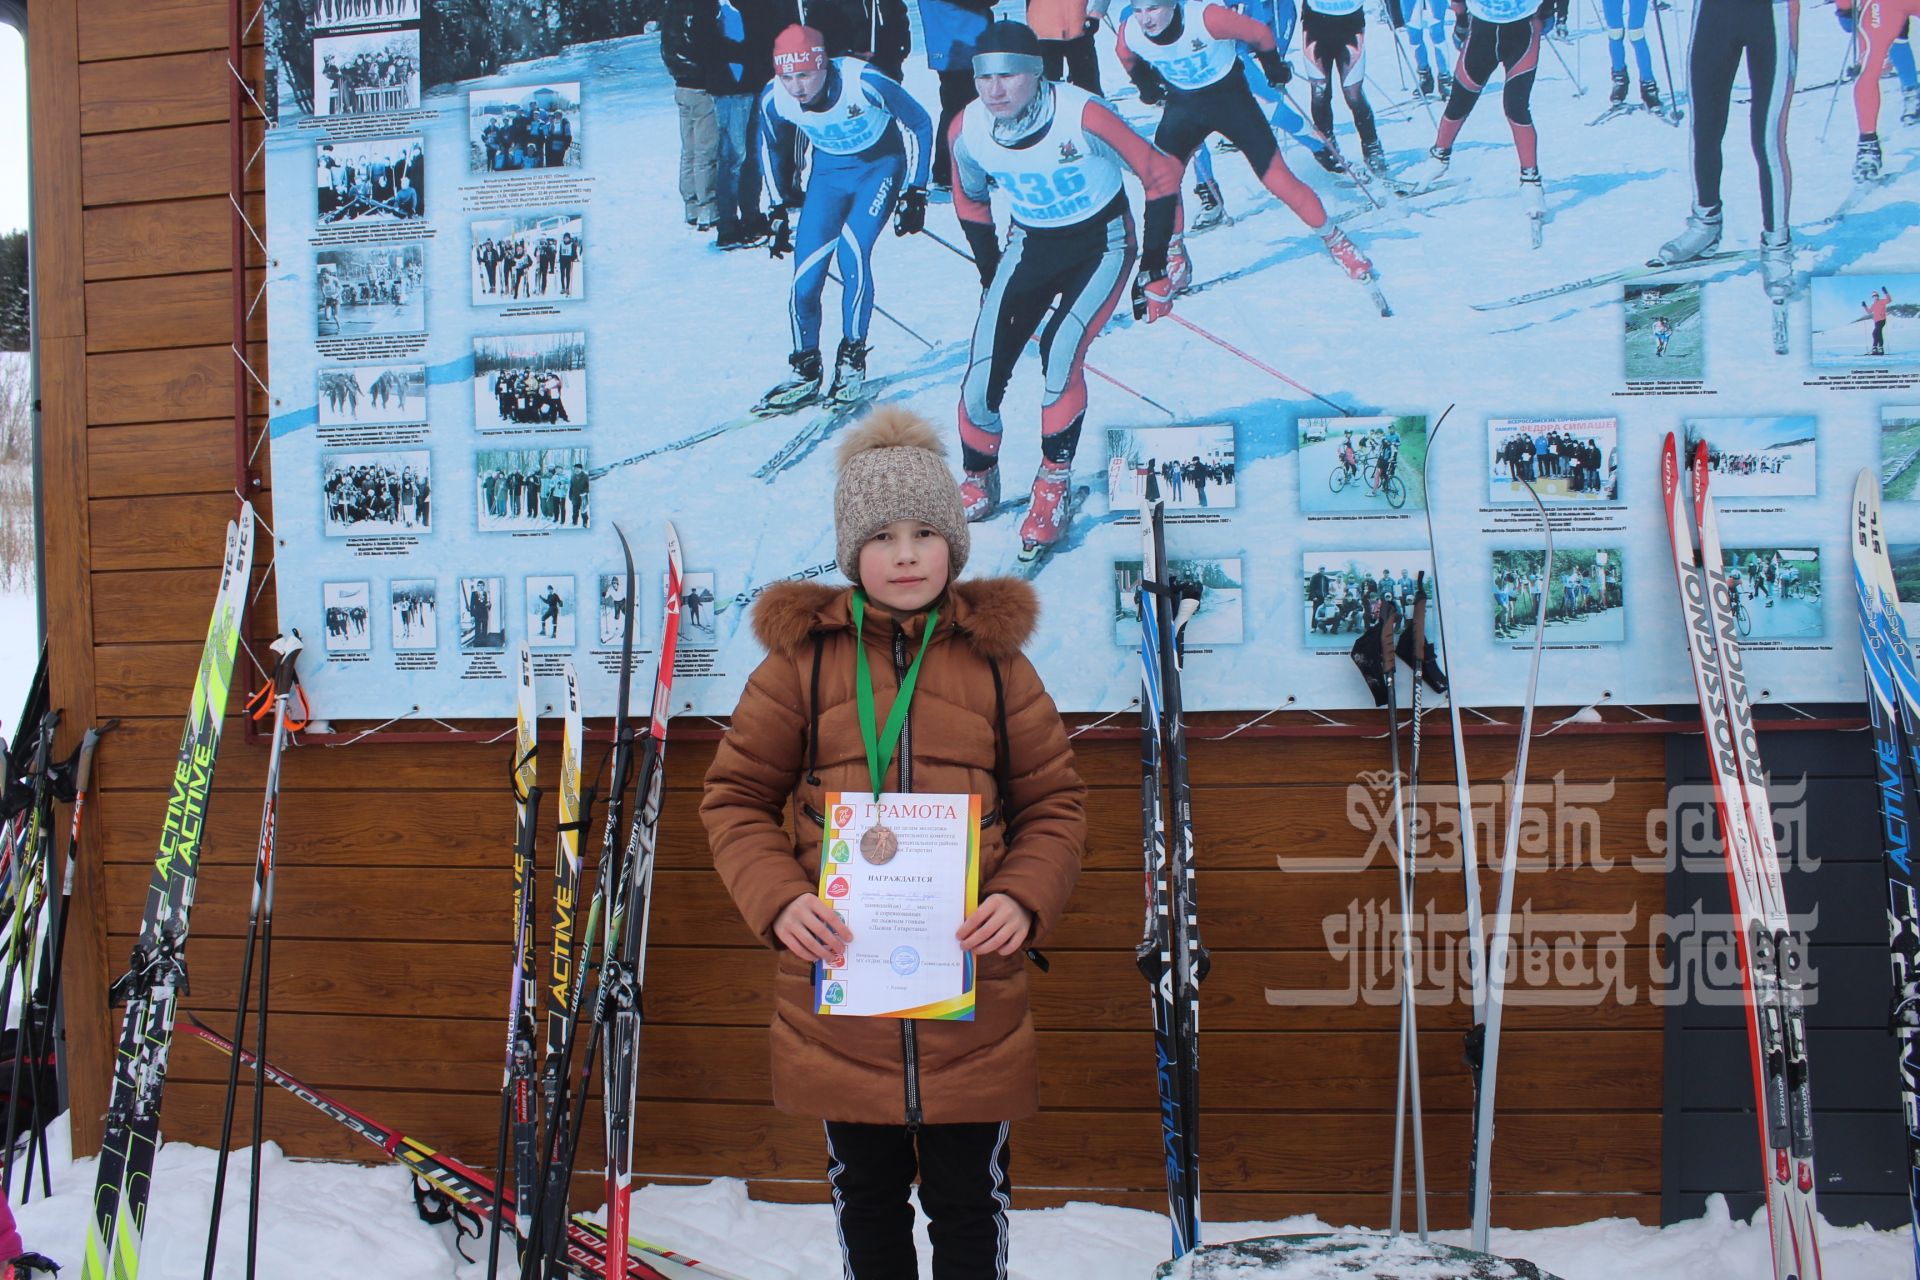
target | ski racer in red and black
[
  {"x": 1187, "y": 52},
  {"x": 1494, "y": 33},
  {"x": 1059, "y": 154},
  {"x": 1333, "y": 38}
]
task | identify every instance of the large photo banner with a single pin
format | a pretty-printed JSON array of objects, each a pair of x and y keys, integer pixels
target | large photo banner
[{"x": 524, "y": 291}]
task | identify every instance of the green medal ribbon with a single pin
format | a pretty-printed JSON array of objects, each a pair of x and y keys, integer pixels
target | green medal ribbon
[{"x": 881, "y": 744}]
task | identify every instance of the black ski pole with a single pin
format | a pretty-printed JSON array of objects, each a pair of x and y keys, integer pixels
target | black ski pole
[{"x": 271, "y": 698}]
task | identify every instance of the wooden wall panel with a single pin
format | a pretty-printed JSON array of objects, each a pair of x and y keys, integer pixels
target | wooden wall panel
[{"x": 392, "y": 903}]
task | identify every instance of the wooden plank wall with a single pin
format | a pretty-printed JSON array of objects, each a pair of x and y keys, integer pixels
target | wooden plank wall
[{"x": 389, "y": 969}]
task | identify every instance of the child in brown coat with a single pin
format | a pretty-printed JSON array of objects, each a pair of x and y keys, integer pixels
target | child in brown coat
[{"x": 902, "y": 1096}]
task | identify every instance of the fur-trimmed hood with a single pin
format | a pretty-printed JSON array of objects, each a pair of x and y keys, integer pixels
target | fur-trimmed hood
[{"x": 996, "y": 615}]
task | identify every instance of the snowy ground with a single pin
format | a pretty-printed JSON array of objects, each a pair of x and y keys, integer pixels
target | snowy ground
[
  {"x": 19, "y": 651},
  {"x": 354, "y": 1222}
]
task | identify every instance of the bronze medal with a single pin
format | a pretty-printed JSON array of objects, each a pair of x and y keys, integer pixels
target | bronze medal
[{"x": 878, "y": 845}]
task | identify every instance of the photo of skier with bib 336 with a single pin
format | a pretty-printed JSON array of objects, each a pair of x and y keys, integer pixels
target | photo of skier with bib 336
[
  {"x": 911, "y": 682},
  {"x": 1058, "y": 154}
]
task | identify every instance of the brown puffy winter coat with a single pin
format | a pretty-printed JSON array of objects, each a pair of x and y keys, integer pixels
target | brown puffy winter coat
[{"x": 881, "y": 1070}]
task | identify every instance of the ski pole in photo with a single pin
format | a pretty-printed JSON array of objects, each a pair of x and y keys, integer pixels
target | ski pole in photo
[
  {"x": 1483, "y": 1042},
  {"x": 275, "y": 698}
]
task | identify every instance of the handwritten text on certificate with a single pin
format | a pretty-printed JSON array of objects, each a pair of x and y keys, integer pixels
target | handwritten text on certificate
[{"x": 904, "y": 872}]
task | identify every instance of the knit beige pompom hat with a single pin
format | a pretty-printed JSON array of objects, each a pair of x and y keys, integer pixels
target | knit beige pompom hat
[{"x": 893, "y": 467}]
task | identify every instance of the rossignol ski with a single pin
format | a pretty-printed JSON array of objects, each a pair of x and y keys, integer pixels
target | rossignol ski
[
  {"x": 1483, "y": 1039},
  {"x": 584, "y": 1245},
  {"x": 1893, "y": 705},
  {"x": 623, "y": 971},
  {"x": 560, "y": 1138},
  {"x": 1772, "y": 957},
  {"x": 157, "y": 971},
  {"x": 1170, "y": 954},
  {"x": 275, "y": 698},
  {"x": 516, "y": 1088}
]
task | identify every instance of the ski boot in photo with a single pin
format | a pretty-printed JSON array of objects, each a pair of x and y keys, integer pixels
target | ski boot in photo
[
  {"x": 1533, "y": 197},
  {"x": 1434, "y": 168},
  {"x": 1776, "y": 263},
  {"x": 1329, "y": 159},
  {"x": 801, "y": 389},
  {"x": 1213, "y": 207},
  {"x": 1650, "y": 96},
  {"x": 1346, "y": 253},
  {"x": 1047, "y": 512},
  {"x": 1446, "y": 83},
  {"x": 1866, "y": 158},
  {"x": 1700, "y": 237},
  {"x": 849, "y": 372},
  {"x": 1375, "y": 155},
  {"x": 1618, "y": 93},
  {"x": 980, "y": 494},
  {"x": 1426, "y": 81}
]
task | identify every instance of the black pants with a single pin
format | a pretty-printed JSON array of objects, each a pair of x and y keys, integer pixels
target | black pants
[
  {"x": 956, "y": 91},
  {"x": 964, "y": 1189},
  {"x": 1078, "y": 57},
  {"x": 1515, "y": 46},
  {"x": 1764, "y": 33},
  {"x": 1225, "y": 107},
  {"x": 1335, "y": 47}
]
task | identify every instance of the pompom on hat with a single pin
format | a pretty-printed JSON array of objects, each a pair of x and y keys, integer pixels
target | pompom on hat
[{"x": 893, "y": 467}]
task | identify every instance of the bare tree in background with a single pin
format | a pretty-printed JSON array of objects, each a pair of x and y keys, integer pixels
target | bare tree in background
[{"x": 16, "y": 472}]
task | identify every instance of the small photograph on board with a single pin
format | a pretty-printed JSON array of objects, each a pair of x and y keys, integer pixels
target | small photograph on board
[
  {"x": 1585, "y": 600},
  {"x": 535, "y": 257},
  {"x": 613, "y": 608},
  {"x": 344, "y": 606},
  {"x": 1665, "y": 333},
  {"x": 412, "y": 602},
  {"x": 1776, "y": 592},
  {"x": 1906, "y": 580},
  {"x": 1568, "y": 460},
  {"x": 361, "y": 13},
  {"x": 530, "y": 380},
  {"x": 1363, "y": 466},
  {"x": 370, "y": 180},
  {"x": 381, "y": 491},
  {"x": 366, "y": 73},
  {"x": 1218, "y": 620},
  {"x": 483, "y": 615},
  {"x": 1866, "y": 318},
  {"x": 376, "y": 394},
  {"x": 1345, "y": 591},
  {"x": 371, "y": 291},
  {"x": 528, "y": 489},
  {"x": 522, "y": 127},
  {"x": 1194, "y": 466},
  {"x": 1768, "y": 457},
  {"x": 699, "y": 620},
  {"x": 1900, "y": 453},
  {"x": 552, "y": 610}
]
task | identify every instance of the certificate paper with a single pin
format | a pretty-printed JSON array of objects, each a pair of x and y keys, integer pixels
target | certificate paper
[{"x": 904, "y": 872}]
